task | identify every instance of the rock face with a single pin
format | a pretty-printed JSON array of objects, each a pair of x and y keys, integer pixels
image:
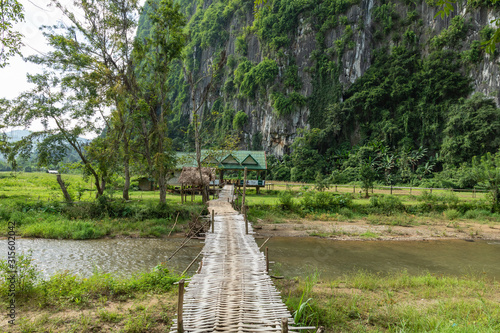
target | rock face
[{"x": 275, "y": 133}]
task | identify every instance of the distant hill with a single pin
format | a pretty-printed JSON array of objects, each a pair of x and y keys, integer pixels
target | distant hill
[{"x": 16, "y": 135}]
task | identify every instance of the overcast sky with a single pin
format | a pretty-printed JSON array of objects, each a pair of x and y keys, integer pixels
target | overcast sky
[{"x": 37, "y": 13}]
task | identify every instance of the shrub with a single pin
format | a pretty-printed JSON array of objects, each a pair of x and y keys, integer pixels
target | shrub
[
  {"x": 387, "y": 204},
  {"x": 26, "y": 274},
  {"x": 286, "y": 200},
  {"x": 240, "y": 120},
  {"x": 452, "y": 214},
  {"x": 325, "y": 201}
]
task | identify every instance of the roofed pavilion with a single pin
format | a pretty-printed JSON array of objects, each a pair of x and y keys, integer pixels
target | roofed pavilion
[{"x": 253, "y": 160}]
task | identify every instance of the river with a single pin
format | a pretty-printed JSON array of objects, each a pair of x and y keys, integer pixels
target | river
[{"x": 292, "y": 256}]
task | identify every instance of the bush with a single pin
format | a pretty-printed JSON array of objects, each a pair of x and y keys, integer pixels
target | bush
[
  {"x": 387, "y": 204},
  {"x": 240, "y": 120},
  {"x": 286, "y": 200},
  {"x": 452, "y": 214},
  {"x": 325, "y": 201},
  {"x": 26, "y": 274}
]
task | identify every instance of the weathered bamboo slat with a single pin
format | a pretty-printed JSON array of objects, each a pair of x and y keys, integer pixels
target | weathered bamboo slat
[{"x": 232, "y": 292}]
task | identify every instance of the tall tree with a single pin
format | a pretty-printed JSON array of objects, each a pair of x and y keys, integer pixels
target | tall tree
[
  {"x": 11, "y": 12},
  {"x": 155, "y": 54},
  {"x": 205, "y": 83},
  {"x": 65, "y": 120},
  {"x": 93, "y": 58}
]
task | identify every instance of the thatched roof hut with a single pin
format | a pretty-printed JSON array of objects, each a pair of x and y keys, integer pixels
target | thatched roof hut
[{"x": 191, "y": 176}]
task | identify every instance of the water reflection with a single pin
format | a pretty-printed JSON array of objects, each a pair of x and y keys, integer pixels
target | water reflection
[
  {"x": 299, "y": 257},
  {"x": 121, "y": 257}
]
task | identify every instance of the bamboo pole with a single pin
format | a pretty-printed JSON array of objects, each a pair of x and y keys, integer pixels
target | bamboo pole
[
  {"x": 284, "y": 325},
  {"x": 246, "y": 222},
  {"x": 243, "y": 210},
  {"x": 267, "y": 259},
  {"x": 264, "y": 243},
  {"x": 174, "y": 224},
  {"x": 213, "y": 221},
  {"x": 180, "y": 301},
  {"x": 191, "y": 264}
]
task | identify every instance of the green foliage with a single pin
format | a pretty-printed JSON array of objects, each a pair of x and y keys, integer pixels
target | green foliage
[
  {"x": 11, "y": 12},
  {"x": 472, "y": 129},
  {"x": 21, "y": 271},
  {"x": 291, "y": 77},
  {"x": 453, "y": 36},
  {"x": 386, "y": 15},
  {"x": 306, "y": 160},
  {"x": 487, "y": 171},
  {"x": 241, "y": 46},
  {"x": 387, "y": 204},
  {"x": 324, "y": 201},
  {"x": 286, "y": 105},
  {"x": 240, "y": 120},
  {"x": 258, "y": 76},
  {"x": 367, "y": 176},
  {"x": 286, "y": 200}
]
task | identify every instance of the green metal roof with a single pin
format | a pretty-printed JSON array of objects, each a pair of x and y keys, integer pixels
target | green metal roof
[{"x": 236, "y": 160}]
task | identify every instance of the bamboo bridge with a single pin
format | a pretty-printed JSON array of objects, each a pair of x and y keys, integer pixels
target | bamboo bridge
[{"x": 232, "y": 291}]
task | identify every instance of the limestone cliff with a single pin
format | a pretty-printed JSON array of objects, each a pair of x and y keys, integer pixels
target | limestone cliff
[{"x": 344, "y": 39}]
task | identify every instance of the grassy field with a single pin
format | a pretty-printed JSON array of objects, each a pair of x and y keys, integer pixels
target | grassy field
[
  {"x": 34, "y": 202},
  {"x": 363, "y": 302},
  {"x": 378, "y": 209}
]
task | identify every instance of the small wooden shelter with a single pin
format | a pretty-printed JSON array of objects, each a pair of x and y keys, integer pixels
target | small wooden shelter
[{"x": 191, "y": 176}]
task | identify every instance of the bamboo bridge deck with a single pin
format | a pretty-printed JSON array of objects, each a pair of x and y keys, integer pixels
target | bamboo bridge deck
[{"x": 232, "y": 292}]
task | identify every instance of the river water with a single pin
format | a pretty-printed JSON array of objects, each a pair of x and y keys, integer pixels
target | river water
[{"x": 292, "y": 256}]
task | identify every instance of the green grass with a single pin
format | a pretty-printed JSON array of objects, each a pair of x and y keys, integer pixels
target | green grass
[
  {"x": 140, "y": 303},
  {"x": 34, "y": 202},
  {"x": 398, "y": 302}
]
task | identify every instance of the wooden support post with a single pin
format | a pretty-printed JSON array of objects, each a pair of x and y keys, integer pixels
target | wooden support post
[
  {"x": 267, "y": 259},
  {"x": 180, "y": 303},
  {"x": 391, "y": 189},
  {"x": 284, "y": 325},
  {"x": 244, "y": 192},
  {"x": 213, "y": 221},
  {"x": 246, "y": 222},
  {"x": 182, "y": 193}
]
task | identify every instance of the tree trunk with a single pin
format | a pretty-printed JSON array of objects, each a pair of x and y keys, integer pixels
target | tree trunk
[
  {"x": 162, "y": 184},
  {"x": 126, "y": 166},
  {"x": 67, "y": 197}
]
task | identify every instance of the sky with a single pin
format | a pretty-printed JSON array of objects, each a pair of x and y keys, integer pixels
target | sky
[{"x": 36, "y": 13}]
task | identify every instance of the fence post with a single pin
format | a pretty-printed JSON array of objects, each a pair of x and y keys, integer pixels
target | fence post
[
  {"x": 267, "y": 259},
  {"x": 284, "y": 325},
  {"x": 243, "y": 210},
  {"x": 213, "y": 222},
  {"x": 180, "y": 301},
  {"x": 246, "y": 221},
  {"x": 354, "y": 189},
  {"x": 391, "y": 189}
]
